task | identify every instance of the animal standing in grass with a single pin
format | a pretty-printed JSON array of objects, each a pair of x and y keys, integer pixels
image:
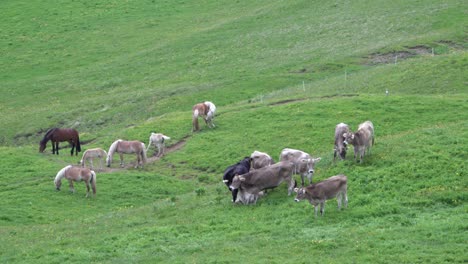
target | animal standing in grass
[
  {"x": 341, "y": 145},
  {"x": 206, "y": 110},
  {"x": 241, "y": 167},
  {"x": 77, "y": 174},
  {"x": 319, "y": 193},
  {"x": 127, "y": 147},
  {"x": 158, "y": 140},
  {"x": 361, "y": 140},
  {"x": 91, "y": 154},
  {"x": 57, "y": 135}
]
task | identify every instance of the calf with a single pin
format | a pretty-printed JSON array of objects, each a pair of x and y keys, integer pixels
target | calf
[
  {"x": 239, "y": 168},
  {"x": 340, "y": 141},
  {"x": 260, "y": 160},
  {"x": 303, "y": 163},
  {"x": 362, "y": 139},
  {"x": 255, "y": 181},
  {"x": 318, "y": 193}
]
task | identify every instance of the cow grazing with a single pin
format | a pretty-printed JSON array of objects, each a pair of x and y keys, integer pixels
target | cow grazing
[
  {"x": 158, "y": 140},
  {"x": 303, "y": 163},
  {"x": 362, "y": 139},
  {"x": 319, "y": 193},
  {"x": 340, "y": 141},
  {"x": 260, "y": 160},
  {"x": 242, "y": 167},
  {"x": 255, "y": 181}
]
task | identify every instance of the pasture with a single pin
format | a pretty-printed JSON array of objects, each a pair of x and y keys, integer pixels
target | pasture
[{"x": 282, "y": 74}]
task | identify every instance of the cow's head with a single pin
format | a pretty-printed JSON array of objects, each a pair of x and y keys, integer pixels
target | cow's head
[
  {"x": 348, "y": 138},
  {"x": 307, "y": 165},
  {"x": 301, "y": 194},
  {"x": 236, "y": 182}
]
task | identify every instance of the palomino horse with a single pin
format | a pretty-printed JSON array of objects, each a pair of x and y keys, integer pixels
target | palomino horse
[
  {"x": 207, "y": 111},
  {"x": 57, "y": 135},
  {"x": 127, "y": 147},
  {"x": 157, "y": 139},
  {"x": 77, "y": 174},
  {"x": 91, "y": 154}
]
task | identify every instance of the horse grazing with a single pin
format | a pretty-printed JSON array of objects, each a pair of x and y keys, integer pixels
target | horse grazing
[
  {"x": 157, "y": 139},
  {"x": 91, "y": 154},
  {"x": 127, "y": 147},
  {"x": 57, "y": 135},
  {"x": 77, "y": 174},
  {"x": 207, "y": 111}
]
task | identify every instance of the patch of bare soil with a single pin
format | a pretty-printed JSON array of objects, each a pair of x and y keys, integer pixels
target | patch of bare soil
[
  {"x": 385, "y": 58},
  {"x": 395, "y": 56}
]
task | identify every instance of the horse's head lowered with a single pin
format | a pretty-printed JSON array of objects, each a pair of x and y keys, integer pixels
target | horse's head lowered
[{"x": 42, "y": 147}]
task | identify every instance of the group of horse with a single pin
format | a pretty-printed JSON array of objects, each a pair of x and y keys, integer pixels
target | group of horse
[{"x": 206, "y": 110}]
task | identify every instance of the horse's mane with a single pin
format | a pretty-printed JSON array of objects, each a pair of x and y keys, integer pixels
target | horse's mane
[
  {"x": 61, "y": 173},
  {"x": 114, "y": 146},
  {"x": 47, "y": 135}
]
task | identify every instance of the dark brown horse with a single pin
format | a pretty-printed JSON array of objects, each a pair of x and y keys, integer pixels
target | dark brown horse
[{"x": 57, "y": 135}]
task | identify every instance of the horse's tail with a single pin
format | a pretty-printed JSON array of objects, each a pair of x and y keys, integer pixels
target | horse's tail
[
  {"x": 143, "y": 153},
  {"x": 195, "y": 120},
  {"x": 93, "y": 181},
  {"x": 149, "y": 143},
  {"x": 78, "y": 145}
]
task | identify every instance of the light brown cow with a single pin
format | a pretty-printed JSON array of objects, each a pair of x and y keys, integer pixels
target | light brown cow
[
  {"x": 340, "y": 141},
  {"x": 303, "y": 163},
  {"x": 255, "y": 181},
  {"x": 361, "y": 140},
  {"x": 318, "y": 193},
  {"x": 260, "y": 159}
]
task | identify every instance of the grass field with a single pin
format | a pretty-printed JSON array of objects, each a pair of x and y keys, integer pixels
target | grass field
[{"x": 282, "y": 74}]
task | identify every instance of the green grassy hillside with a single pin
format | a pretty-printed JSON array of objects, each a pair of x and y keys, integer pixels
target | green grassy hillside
[{"x": 282, "y": 74}]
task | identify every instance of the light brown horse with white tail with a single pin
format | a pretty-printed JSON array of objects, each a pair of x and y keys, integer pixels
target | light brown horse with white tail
[
  {"x": 77, "y": 174},
  {"x": 207, "y": 111},
  {"x": 94, "y": 153},
  {"x": 127, "y": 147}
]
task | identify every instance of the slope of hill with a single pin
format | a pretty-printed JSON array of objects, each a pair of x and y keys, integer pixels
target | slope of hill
[{"x": 282, "y": 74}]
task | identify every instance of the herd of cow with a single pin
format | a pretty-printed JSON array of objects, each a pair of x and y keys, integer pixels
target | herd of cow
[{"x": 250, "y": 178}]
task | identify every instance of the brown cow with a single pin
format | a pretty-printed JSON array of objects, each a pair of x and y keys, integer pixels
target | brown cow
[
  {"x": 362, "y": 139},
  {"x": 260, "y": 160},
  {"x": 340, "y": 141},
  {"x": 303, "y": 163},
  {"x": 318, "y": 193},
  {"x": 255, "y": 181}
]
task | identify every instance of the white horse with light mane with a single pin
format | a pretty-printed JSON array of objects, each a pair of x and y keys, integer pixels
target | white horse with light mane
[{"x": 157, "y": 139}]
